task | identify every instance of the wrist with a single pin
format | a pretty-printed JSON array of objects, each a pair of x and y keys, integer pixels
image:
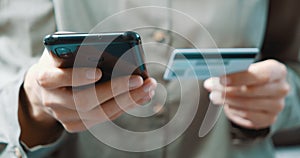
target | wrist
[{"x": 37, "y": 126}]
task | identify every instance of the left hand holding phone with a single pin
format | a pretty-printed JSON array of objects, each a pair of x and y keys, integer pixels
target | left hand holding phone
[{"x": 50, "y": 99}]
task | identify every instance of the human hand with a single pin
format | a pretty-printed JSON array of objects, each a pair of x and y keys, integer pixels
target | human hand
[
  {"x": 52, "y": 99},
  {"x": 253, "y": 98}
]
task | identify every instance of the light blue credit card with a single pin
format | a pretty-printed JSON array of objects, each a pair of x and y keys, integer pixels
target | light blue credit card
[{"x": 204, "y": 63}]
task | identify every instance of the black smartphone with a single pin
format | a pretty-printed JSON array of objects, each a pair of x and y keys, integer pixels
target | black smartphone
[{"x": 116, "y": 54}]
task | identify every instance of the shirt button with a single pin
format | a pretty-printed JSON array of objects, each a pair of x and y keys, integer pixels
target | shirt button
[
  {"x": 18, "y": 152},
  {"x": 159, "y": 36}
]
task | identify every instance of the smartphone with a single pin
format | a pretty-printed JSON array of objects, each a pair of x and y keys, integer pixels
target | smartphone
[
  {"x": 204, "y": 63},
  {"x": 115, "y": 53}
]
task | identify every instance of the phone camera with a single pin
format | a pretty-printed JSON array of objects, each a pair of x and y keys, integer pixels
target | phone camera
[{"x": 63, "y": 52}]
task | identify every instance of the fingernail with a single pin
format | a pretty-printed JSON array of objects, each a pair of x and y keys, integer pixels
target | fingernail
[
  {"x": 225, "y": 80},
  {"x": 216, "y": 97},
  {"x": 208, "y": 84},
  {"x": 92, "y": 74},
  {"x": 135, "y": 81},
  {"x": 148, "y": 87}
]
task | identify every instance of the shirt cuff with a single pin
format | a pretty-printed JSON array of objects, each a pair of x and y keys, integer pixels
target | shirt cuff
[
  {"x": 9, "y": 123},
  {"x": 44, "y": 150},
  {"x": 241, "y": 135}
]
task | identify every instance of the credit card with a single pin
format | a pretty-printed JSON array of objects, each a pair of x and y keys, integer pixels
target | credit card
[{"x": 205, "y": 63}]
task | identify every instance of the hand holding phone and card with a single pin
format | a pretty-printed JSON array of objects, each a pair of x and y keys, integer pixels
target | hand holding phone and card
[
  {"x": 184, "y": 64},
  {"x": 106, "y": 49}
]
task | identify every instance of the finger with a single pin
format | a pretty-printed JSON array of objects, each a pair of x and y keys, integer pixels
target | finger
[
  {"x": 140, "y": 102},
  {"x": 120, "y": 100},
  {"x": 217, "y": 97},
  {"x": 275, "y": 89},
  {"x": 237, "y": 118},
  {"x": 101, "y": 113},
  {"x": 75, "y": 122},
  {"x": 62, "y": 97},
  {"x": 269, "y": 105},
  {"x": 121, "y": 85},
  {"x": 258, "y": 73},
  {"x": 108, "y": 90},
  {"x": 132, "y": 99},
  {"x": 66, "y": 97},
  {"x": 66, "y": 115},
  {"x": 55, "y": 77},
  {"x": 250, "y": 119},
  {"x": 213, "y": 84},
  {"x": 80, "y": 99},
  {"x": 127, "y": 101}
]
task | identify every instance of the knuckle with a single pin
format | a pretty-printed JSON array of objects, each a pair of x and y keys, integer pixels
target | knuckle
[
  {"x": 119, "y": 85},
  {"x": 48, "y": 103},
  {"x": 285, "y": 89},
  {"x": 67, "y": 91},
  {"x": 283, "y": 70},
  {"x": 266, "y": 77},
  {"x": 42, "y": 79},
  {"x": 281, "y": 67},
  {"x": 83, "y": 104},
  {"x": 115, "y": 88}
]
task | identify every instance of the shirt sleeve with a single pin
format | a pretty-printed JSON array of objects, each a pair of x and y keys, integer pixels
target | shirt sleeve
[
  {"x": 45, "y": 150},
  {"x": 10, "y": 144},
  {"x": 10, "y": 129}
]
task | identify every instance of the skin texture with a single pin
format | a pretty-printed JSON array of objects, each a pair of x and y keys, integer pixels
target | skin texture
[
  {"x": 253, "y": 98},
  {"x": 48, "y": 102}
]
